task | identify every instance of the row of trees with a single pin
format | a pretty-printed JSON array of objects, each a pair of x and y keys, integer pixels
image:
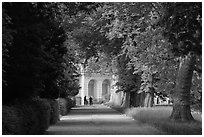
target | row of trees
[
  {"x": 158, "y": 42},
  {"x": 153, "y": 48}
]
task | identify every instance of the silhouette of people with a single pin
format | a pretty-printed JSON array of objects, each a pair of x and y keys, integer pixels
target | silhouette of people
[
  {"x": 90, "y": 100},
  {"x": 85, "y": 101}
]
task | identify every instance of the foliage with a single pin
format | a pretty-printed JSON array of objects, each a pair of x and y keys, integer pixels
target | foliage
[
  {"x": 54, "y": 112},
  {"x": 127, "y": 81},
  {"x": 44, "y": 110},
  {"x": 6, "y": 42},
  {"x": 141, "y": 42},
  {"x": 31, "y": 116},
  {"x": 146, "y": 36},
  {"x": 196, "y": 92},
  {"x": 37, "y": 60},
  {"x": 183, "y": 27},
  {"x": 35, "y": 112},
  {"x": 90, "y": 35},
  {"x": 101, "y": 64},
  {"x": 135, "y": 27},
  {"x": 10, "y": 121},
  {"x": 65, "y": 105},
  {"x": 43, "y": 42},
  {"x": 85, "y": 33},
  {"x": 150, "y": 51}
]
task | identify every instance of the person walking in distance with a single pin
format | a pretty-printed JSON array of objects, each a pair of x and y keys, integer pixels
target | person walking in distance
[
  {"x": 85, "y": 101},
  {"x": 90, "y": 100}
]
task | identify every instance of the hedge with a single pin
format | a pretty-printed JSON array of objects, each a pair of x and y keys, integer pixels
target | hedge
[
  {"x": 33, "y": 116},
  {"x": 54, "y": 115},
  {"x": 28, "y": 118},
  {"x": 65, "y": 105},
  {"x": 10, "y": 121},
  {"x": 43, "y": 109}
]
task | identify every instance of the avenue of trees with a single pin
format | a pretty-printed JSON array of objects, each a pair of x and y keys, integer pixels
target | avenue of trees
[
  {"x": 158, "y": 42},
  {"x": 153, "y": 49}
]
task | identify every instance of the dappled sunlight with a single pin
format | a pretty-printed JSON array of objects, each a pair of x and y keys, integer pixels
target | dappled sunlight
[
  {"x": 95, "y": 106},
  {"x": 95, "y": 117},
  {"x": 99, "y": 119},
  {"x": 118, "y": 68}
]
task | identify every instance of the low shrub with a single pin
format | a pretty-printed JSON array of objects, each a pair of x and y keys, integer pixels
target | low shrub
[
  {"x": 62, "y": 106},
  {"x": 73, "y": 101},
  {"x": 33, "y": 116},
  {"x": 159, "y": 117},
  {"x": 26, "y": 117},
  {"x": 10, "y": 121},
  {"x": 65, "y": 105},
  {"x": 54, "y": 115},
  {"x": 44, "y": 112}
]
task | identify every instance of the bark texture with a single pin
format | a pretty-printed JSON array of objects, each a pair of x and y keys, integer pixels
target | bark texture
[
  {"x": 181, "y": 97},
  {"x": 149, "y": 98},
  {"x": 126, "y": 102},
  {"x": 141, "y": 99},
  {"x": 133, "y": 97}
]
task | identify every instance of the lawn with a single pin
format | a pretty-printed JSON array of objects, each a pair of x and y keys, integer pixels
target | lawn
[{"x": 159, "y": 118}]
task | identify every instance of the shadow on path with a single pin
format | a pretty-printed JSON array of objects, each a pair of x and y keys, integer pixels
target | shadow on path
[{"x": 99, "y": 120}]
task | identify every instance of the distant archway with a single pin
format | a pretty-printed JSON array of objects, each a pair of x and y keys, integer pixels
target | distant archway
[
  {"x": 92, "y": 88},
  {"x": 106, "y": 90}
]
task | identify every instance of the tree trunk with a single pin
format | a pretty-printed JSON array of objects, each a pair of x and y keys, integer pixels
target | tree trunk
[
  {"x": 126, "y": 102},
  {"x": 181, "y": 96},
  {"x": 137, "y": 100},
  {"x": 133, "y": 96},
  {"x": 149, "y": 98},
  {"x": 142, "y": 99}
]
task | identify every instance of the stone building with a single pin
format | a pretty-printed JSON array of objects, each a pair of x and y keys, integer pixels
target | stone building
[{"x": 99, "y": 86}]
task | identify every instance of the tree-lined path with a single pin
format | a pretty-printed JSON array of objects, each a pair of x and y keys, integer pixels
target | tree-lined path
[
  {"x": 99, "y": 120},
  {"x": 151, "y": 50}
]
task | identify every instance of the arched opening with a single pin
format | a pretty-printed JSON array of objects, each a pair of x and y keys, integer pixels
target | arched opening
[
  {"x": 92, "y": 88},
  {"x": 106, "y": 90}
]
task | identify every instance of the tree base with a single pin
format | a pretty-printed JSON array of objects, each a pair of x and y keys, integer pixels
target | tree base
[
  {"x": 181, "y": 113},
  {"x": 148, "y": 102}
]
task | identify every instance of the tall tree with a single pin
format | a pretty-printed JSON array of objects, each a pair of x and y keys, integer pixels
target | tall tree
[
  {"x": 141, "y": 42},
  {"x": 183, "y": 29},
  {"x": 40, "y": 61},
  {"x": 136, "y": 24},
  {"x": 128, "y": 82},
  {"x": 37, "y": 46}
]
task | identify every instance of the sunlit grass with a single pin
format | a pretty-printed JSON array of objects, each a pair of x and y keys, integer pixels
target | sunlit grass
[{"x": 159, "y": 117}]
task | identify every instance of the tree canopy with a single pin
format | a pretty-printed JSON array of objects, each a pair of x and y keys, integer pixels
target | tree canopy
[
  {"x": 144, "y": 44},
  {"x": 37, "y": 60},
  {"x": 152, "y": 37}
]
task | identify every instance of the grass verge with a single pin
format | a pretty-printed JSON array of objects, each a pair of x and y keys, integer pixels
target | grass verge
[{"x": 159, "y": 118}]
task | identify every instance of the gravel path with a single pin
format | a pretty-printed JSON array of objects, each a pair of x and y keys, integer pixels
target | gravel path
[{"x": 99, "y": 120}]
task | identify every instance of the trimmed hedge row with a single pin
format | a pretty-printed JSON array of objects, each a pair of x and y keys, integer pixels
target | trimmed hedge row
[
  {"x": 65, "y": 105},
  {"x": 54, "y": 113},
  {"x": 10, "y": 121},
  {"x": 32, "y": 116}
]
